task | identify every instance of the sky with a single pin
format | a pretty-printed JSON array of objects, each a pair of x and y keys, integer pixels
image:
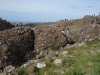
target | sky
[{"x": 47, "y": 10}]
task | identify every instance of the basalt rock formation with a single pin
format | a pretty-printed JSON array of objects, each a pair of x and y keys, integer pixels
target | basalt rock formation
[
  {"x": 48, "y": 37},
  {"x": 11, "y": 53},
  {"x": 88, "y": 32},
  {"x": 15, "y": 43},
  {"x": 21, "y": 35}
]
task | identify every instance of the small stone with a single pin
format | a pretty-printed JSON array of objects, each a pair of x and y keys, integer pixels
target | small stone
[
  {"x": 24, "y": 66},
  {"x": 90, "y": 63},
  {"x": 92, "y": 52},
  {"x": 30, "y": 69},
  {"x": 41, "y": 65},
  {"x": 45, "y": 73},
  {"x": 81, "y": 44},
  {"x": 64, "y": 53},
  {"x": 58, "y": 62},
  {"x": 98, "y": 50},
  {"x": 59, "y": 71},
  {"x": 8, "y": 69},
  {"x": 13, "y": 72}
]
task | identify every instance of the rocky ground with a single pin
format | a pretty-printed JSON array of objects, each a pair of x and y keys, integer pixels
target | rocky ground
[{"x": 42, "y": 50}]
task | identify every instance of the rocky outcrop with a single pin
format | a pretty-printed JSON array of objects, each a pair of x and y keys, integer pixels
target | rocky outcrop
[
  {"x": 88, "y": 32},
  {"x": 91, "y": 19},
  {"x": 11, "y": 53},
  {"x": 21, "y": 35},
  {"x": 48, "y": 37},
  {"x": 5, "y": 25},
  {"x": 14, "y": 45}
]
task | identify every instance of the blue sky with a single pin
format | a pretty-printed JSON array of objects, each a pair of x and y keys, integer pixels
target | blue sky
[{"x": 47, "y": 10}]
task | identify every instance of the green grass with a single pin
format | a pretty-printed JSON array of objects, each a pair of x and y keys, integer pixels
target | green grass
[
  {"x": 21, "y": 71},
  {"x": 85, "y": 60}
]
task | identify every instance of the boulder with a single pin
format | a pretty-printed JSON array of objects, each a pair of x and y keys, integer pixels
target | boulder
[
  {"x": 28, "y": 63},
  {"x": 30, "y": 70},
  {"x": 8, "y": 69},
  {"x": 64, "y": 53},
  {"x": 41, "y": 65},
  {"x": 58, "y": 62},
  {"x": 51, "y": 54},
  {"x": 49, "y": 37}
]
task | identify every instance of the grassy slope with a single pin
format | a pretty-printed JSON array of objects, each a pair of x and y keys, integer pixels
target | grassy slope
[{"x": 85, "y": 60}]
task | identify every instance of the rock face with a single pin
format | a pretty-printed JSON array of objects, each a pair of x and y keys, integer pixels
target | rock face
[
  {"x": 5, "y": 25},
  {"x": 48, "y": 37},
  {"x": 21, "y": 35},
  {"x": 11, "y": 53},
  {"x": 88, "y": 32},
  {"x": 14, "y": 45}
]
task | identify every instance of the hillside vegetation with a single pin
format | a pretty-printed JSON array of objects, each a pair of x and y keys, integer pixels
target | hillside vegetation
[{"x": 80, "y": 60}]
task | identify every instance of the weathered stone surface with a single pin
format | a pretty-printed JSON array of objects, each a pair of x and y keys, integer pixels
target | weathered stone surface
[
  {"x": 45, "y": 73},
  {"x": 51, "y": 54},
  {"x": 21, "y": 35},
  {"x": 28, "y": 63},
  {"x": 64, "y": 53},
  {"x": 14, "y": 45},
  {"x": 11, "y": 53},
  {"x": 30, "y": 69},
  {"x": 58, "y": 62},
  {"x": 10, "y": 70},
  {"x": 49, "y": 37},
  {"x": 41, "y": 65},
  {"x": 88, "y": 32},
  {"x": 59, "y": 71}
]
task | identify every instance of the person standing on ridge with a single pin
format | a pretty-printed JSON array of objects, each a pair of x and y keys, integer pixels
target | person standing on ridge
[{"x": 66, "y": 33}]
